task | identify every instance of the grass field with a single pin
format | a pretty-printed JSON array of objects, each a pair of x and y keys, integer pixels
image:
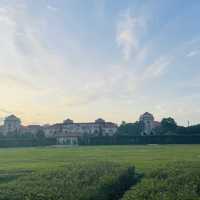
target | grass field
[
  {"x": 100, "y": 173},
  {"x": 142, "y": 157}
]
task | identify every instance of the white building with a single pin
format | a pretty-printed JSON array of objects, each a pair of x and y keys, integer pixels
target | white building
[
  {"x": 11, "y": 124},
  {"x": 70, "y": 139},
  {"x": 67, "y": 132},
  {"x": 32, "y": 129},
  {"x": 148, "y": 124},
  {"x": 70, "y": 131}
]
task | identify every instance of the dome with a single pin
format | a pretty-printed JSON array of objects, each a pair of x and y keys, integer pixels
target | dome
[
  {"x": 12, "y": 118},
  {"x": 146, "y": 116},
  {"x": 99, "y": 121},
  {"x": 68, "y": 121}
]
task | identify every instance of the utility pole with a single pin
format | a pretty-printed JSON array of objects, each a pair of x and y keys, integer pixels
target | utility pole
[{"x": 188, "y": 123}]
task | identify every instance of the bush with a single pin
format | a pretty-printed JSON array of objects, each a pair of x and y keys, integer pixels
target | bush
[
  {"x": 95, "y": 181},
  {"x": 180, "y": 181}
]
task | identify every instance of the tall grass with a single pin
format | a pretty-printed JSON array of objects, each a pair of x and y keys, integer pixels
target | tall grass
[
  {"x": 180, "y": 181},
  {"x": 94, "y": 181}
]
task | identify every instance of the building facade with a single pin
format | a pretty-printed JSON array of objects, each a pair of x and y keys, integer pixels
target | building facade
[
  {"x": 148, "y": 124},
  {"x": 71, "y": 131},
  {"x": 70, "y": 139},
  {"x": 12, "y": 124},
  {"x": 33, "y": 130},
  {"x": 67, "y": 132}
]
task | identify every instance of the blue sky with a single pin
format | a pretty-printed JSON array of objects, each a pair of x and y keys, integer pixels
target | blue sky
[{"x": 85, "y": 59}]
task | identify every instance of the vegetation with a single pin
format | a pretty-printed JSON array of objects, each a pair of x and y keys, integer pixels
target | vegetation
[
  {"x": 95, "y": 173},
  {"x": 143, "y": 157},
  {"x": 100, "y": 181},
  {"x": 167, "y": 126},
  {"x": 191, "y": 130},
  {"x": 131, "y": 129},
  {"x": 180, "y": 181}
]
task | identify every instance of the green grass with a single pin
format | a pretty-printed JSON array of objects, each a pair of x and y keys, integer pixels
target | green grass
[
  {"x": 177, "y": 181},
  {"x": 16, "y": 165},
  {"x": 88, "y": 181},
  {"x": 142, "y": 157}
]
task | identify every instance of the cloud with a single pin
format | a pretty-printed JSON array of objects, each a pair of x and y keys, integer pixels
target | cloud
[
  {"x": 157, "y": 68},
  {"x": 52, "y": 8},
  {"x": 29, "y": 70},
  {"x": 128, "y": 29},
  {"x": 38, "y": 77},
  {"x": 193, "y": 53},
  {"x": 45, "y": 76}
]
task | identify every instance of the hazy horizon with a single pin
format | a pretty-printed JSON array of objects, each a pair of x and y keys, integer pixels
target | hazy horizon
[{"x": 99, "y": 58}]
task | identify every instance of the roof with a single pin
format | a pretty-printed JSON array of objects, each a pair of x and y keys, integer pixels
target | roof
[
  {"x": 34, "y": 126},
  {"x": 99, "y": 120},
  {"x": 146, "y": 115},
  {"x": 12, "y": 117},
  {"x": 68, "y": 121},
  {"x": 81, "y": 123}
]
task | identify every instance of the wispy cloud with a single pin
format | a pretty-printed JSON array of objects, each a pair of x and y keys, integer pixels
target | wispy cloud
[
  {"x": 157, "y": 68},
  {"x": 128, "y": 29},
  {"x": 52, "y": 8},
  {"x": 193, "y": 53}
]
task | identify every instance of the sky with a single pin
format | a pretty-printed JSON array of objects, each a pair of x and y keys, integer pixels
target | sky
[{"x": 85, "y": 59}]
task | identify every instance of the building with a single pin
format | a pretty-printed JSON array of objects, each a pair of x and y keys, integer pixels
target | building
[
  {"x": 69, "y": 131},
  {"x": 52, "y": 131},
  {"x": 12, "y": 124},
  {"x": 32, "y": 129},
  {"x": 148, "y": 124},
  {"x": 69, "y": 139}
]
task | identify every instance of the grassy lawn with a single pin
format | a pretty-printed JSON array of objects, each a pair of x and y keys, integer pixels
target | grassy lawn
[
  {"x": 79, "y": 173},
  {"x": 143, "y": 157}
]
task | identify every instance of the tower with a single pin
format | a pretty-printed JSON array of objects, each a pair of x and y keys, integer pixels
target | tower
[
  {"x": 11, "y": 124},
  {"x": 147, "y": 123}
]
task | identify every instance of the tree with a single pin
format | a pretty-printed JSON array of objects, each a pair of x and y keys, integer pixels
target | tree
[
  {"x": 130, "y": 129},
  {"x": 168, "y": 125},
  {"x": 191, "y": 130},
  {"x": 181, "y": 130}
]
